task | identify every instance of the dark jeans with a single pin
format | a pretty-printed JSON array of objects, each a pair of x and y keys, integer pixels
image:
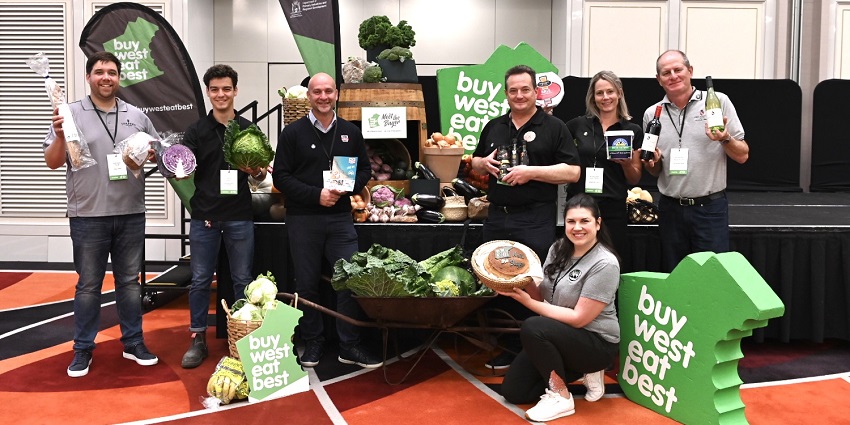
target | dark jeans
[
  {"x": 94, "y": 239},
  {"x": 314, "y": 238},
  {"x": 206, "y": 241},
  {"x": 552, "y": 345},
  {"x": 615, "y": 217},
  {"x": 688, "y": 229}
]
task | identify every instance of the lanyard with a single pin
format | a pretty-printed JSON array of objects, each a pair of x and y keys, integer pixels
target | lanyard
[
  {"x": 322, "y": 144},
  {"x": 684, "y": 116},
  {"x": 561, "y": 275},
  {"x": 97, "y": 112},
  {"x": 593, "y": 133}
]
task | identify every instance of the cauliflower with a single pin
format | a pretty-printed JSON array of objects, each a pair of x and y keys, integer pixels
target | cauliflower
[
  {"x": 383, "y": 195},
  {"x": 352, "y": 71},
  {"x": 262, "y": 290},
  {"x": 248, "y": 312},
  {"x": 297, "y": 92}
]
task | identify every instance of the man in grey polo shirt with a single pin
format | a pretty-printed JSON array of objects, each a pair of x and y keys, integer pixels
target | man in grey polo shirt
[
  {"x": 106, "y": 212},
  {"x": 690, "y": 163}
]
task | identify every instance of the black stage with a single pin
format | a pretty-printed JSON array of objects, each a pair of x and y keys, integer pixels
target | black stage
[{"x": 799, "y": 242}]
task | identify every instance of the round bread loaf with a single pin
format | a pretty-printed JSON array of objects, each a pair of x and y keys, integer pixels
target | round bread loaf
[{"x": 506, "y": 262}]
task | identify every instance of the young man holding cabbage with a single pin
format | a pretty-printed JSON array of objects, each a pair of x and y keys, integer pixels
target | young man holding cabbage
[
  {"x": 221, "y": 207},
  {"x": 318, "y": 220}
]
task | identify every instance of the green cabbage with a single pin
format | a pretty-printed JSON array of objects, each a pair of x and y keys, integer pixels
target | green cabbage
[{"x": 248, "y": 148}]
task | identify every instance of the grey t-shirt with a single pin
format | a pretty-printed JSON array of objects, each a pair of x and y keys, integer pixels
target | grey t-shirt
[
  {"x": 597, "y": 277},
  {"x": 706, "y": 158},
  {"x": 89, "y": 190}
]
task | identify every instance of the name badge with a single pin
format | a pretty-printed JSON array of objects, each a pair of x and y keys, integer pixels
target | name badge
[
  {"x": 117, "y": 167},
  {"x": 593, "y": 180},
  {"x": 678, "y": 161},
  {"x": 229, "y": 182}
]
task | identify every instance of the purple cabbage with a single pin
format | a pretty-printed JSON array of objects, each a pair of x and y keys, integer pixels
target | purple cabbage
[{"x": 170, "y": 157}]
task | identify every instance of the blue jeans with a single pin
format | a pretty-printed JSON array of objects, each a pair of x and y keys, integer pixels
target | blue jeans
[
  {"x": 94, "y": 239},
  {"x": 688, "y": 229},
  {"x": 312, "y": 239},
  {"x": 205, "y": 243}
]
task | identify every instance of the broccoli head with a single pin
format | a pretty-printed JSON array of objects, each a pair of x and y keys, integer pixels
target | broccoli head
[{"x": 373, "y": 74}]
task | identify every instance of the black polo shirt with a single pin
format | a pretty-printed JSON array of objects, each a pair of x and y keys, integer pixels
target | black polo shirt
[{"x": 550, "y": 144}]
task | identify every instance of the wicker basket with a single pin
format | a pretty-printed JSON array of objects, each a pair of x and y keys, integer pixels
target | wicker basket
[
  {"x": 237, "y": 329},
  {"x": 493, "y": 282},
  {"x": 294, "y": 109}
]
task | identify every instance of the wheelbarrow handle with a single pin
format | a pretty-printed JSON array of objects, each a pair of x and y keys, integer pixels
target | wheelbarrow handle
[{"x": 326, "y": 310}]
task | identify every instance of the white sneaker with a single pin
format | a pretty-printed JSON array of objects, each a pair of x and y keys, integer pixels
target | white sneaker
[
  {"x": 595, "y": 384},
  {"x": 551, "y": 406}
]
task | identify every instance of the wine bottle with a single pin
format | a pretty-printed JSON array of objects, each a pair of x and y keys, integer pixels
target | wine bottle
[
  {"x": 712, "y": 107},
  {"x": 650, "y": 136}
]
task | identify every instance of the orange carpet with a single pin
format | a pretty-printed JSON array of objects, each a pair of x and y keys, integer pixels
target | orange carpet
[{"x": 445, "y": 388}]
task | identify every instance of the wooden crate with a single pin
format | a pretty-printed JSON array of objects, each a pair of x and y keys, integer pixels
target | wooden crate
[{"x": 353, "y": 97}]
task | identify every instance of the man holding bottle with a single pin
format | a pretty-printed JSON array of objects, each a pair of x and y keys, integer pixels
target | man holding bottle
[{"x": 690, "y": 163}]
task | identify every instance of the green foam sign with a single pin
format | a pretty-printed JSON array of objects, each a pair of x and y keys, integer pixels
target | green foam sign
[
  {"x": 268, "y": 356},
  {"x": 470, "y": 96},
  {"x": 133, "y": 50},
  {"x": 681, "y": 335}
]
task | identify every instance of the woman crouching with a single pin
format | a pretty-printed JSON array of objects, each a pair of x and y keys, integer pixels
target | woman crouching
[{"x": 577, "y": 333}]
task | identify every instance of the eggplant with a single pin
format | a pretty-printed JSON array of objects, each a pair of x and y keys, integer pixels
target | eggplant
[
  {"x": 428, "y": 201},
  {"x": 465, "y": 189},
  {"x": 424, "y": 172},
  {"x": 428, "y": 216}
]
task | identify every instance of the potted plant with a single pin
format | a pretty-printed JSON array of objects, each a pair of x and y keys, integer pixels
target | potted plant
[
  {"x": 398, "y": 65},
  {"x": 377, "y": 34}
]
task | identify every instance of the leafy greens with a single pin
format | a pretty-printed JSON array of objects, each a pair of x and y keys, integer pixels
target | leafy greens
[{"x": 248, "y": 148}]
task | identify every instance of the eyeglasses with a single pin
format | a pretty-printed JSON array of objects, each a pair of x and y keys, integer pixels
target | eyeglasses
[{"x": 524, "y": 90}]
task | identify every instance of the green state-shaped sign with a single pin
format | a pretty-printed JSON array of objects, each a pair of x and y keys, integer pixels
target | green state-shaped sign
[
  {"x": 681, "y": 335},
  {"x": 133, "y": 49},
  {"x": 470, "y": 96},
  {"x": 268, "y": 356}
]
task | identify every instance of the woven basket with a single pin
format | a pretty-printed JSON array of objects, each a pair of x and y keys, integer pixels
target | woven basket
[
  {"x": 294, "y": 109},
  {"x": 455, "y": 208},
  {"x": 237, "y": 329},
  {"x": 496, "y": 283}
]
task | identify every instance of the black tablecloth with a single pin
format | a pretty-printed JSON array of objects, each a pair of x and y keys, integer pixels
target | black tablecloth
[{"x": 808, "y": 267}]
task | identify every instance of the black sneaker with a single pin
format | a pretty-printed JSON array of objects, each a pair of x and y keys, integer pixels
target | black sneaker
[
  {"x": 502, "y": 361},
  {"x": 313, "y": 352},
  {"x": 80, "y": 365},
  {"x": 357, "y": 355},
  {"x": 140, "y": 354}
]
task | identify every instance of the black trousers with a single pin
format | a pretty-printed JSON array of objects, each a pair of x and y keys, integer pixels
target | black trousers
[{"x": 548, "y": 345}]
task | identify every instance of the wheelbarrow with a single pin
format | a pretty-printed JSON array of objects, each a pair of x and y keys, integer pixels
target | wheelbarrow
[{"x": 438, "y": 314}]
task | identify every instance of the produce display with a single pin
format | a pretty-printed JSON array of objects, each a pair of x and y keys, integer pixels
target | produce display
[
  {"x": 248, "y": 148},
  {"x": 385, "y": 272},
  {"x": 479, "y": 181},
  {"x": 385, "y": 164},
  {"x": 227, "y": 383},
  {"x": 438, "y": 140},
  {"x": 388, "y": 204}
]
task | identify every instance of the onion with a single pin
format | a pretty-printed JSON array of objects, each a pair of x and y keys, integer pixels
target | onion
[{"x": 437, "y": 136}]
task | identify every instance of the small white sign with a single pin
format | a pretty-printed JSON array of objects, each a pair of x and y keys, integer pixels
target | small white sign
[{"x": 384, "y": 122}]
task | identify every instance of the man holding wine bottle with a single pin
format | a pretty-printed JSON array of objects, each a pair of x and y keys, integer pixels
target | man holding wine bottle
[{"x": 690, "y": 161}]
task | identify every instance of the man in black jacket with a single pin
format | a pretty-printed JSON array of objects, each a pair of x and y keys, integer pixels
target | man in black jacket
[{"x": 318, "y": 219}]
